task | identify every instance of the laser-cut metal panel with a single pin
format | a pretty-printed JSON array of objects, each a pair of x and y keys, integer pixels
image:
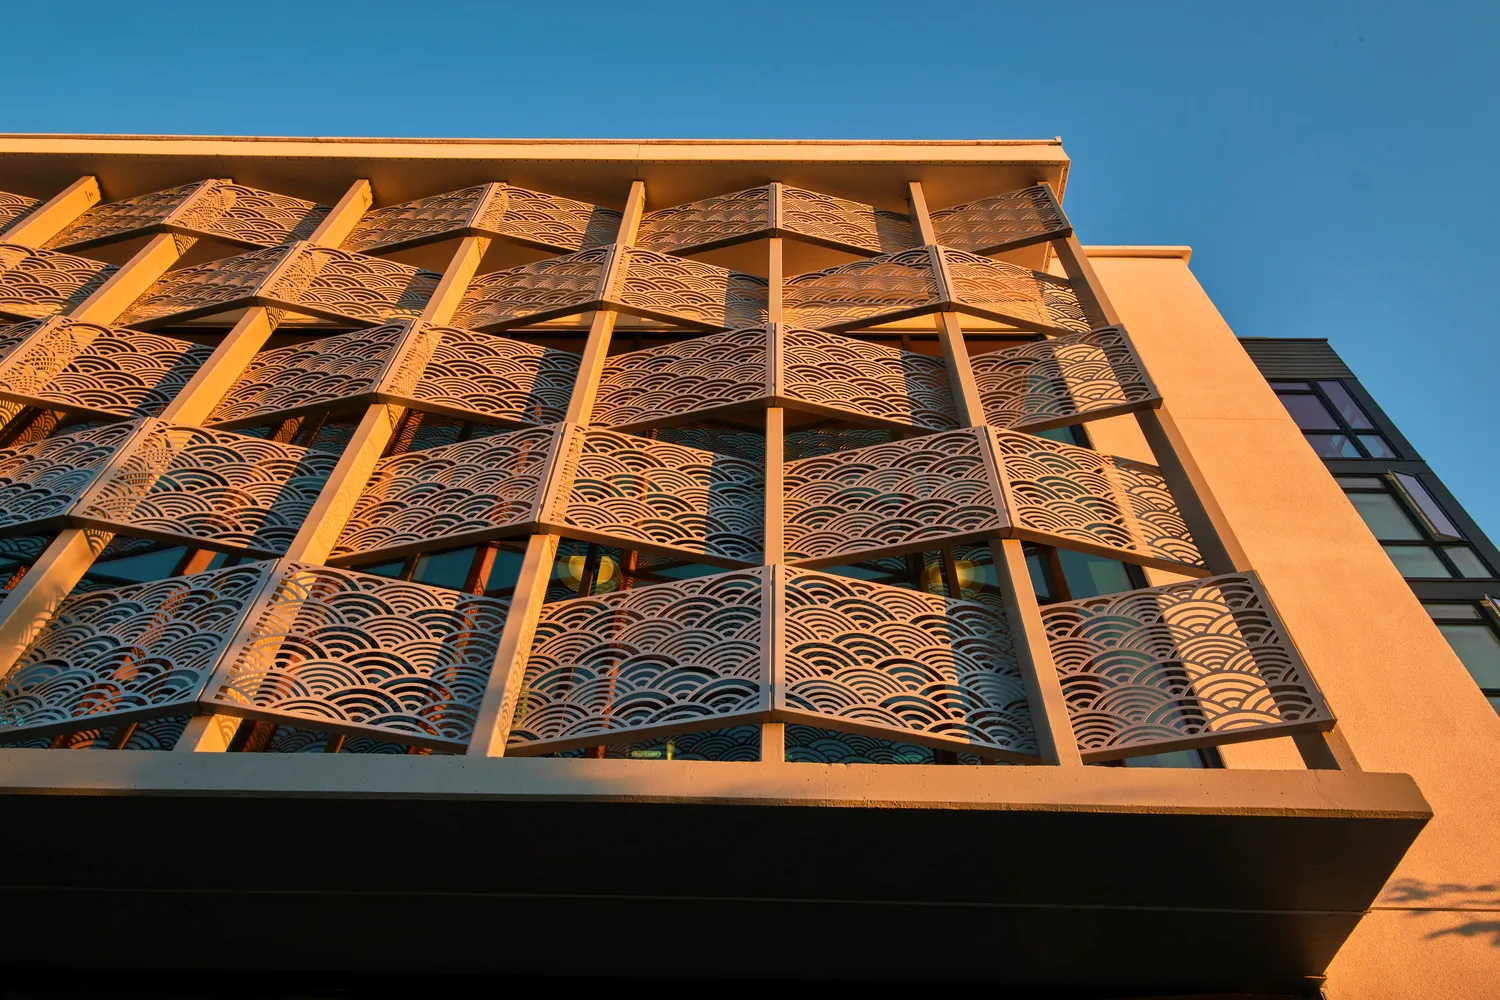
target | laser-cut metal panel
[
  {"x": 41, "y": 482},
  {"x": 221, "y": 210},
  {"x": 883, "y": 288},
  {"x": 673, "y": 289},
  {"x": 289, "y": 380},
  {"x": 843, "y": 224},
  {"x": 883, "y": 661},
  {"x": 126, "y": 218},
  {"x": 350, "y": 652},
  {"x": 467, "y": 372},
  {"x": 671, "y": 657},
  {"x": 339, "y": 285},
  {"x": 1060, "y": 494},
  {"x": 847, "y": 377},
  {"x": 247, "y": 216},
  {"x": 219, "y": 285},
  {"x": 710, "y": 223},
  {"x": 891, "y": 498},
  {"x": 451, "y": 495},
  {"x": 304, "y": 278},
  {"x": 1063, "y": 380},
  {"x": 557, "y": 286},
  {"x": 413, "y": 223},
  {"x": 546, "y": 221},
  {"x": 664, "y": 384},
  {"x": 36, "y": 283},
  {"x": 137, "y": 652},
  {"x": 84, "y": 367},
  {"x": 14, "y": 208},
  {"x": 1187, "y": 665},
  {"x": 215, "y": 487},
  {"x": 1003, "y": 222},
  {"x": 632, "y": 491},
  {"x": 1011, "y": 294}
]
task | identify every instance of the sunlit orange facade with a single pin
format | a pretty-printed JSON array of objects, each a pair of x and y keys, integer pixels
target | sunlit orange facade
[{"x": 649, "y": 560}]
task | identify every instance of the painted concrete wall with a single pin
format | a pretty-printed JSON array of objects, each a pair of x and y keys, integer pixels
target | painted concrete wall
[{"x": 1403, "y": 700}]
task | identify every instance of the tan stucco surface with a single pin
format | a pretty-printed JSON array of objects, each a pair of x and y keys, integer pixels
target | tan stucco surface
[{"x": 1403, "y": 700}]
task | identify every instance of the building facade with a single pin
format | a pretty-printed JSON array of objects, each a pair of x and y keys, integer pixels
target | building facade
[
  {"x": 671, "y": 560},
  {"x": 1446, "y": 557}
]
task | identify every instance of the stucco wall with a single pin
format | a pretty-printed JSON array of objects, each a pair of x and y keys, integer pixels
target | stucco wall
[{"x": 1403, "y": 700}]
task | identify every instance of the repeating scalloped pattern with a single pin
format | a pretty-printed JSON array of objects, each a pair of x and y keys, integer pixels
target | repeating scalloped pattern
[
  {"x": 650, "y": 492},
  {"x": 889, "y": 495},
  {"x": 415, "y": 221},
  {"x": 327, "y": 370},
  {"x": 734, "y": 743},
  {"x": 546, "y": 287},
  {"x": 846, "y": 223},
  {"x": 44, "y": 479},
  {"x": 871, "y": 380},
  {"x": 671, "y": 653},
  {"x": 992, "y": 224},
  {"x": 716, "y": 221},
  {"x": 149, "y": 734},
  {"x": 205, "y": 288},
  {"x": 14, "y": 207},
  {"x": 811, "y": 745},
  {"x": 98, "y": 368},
  {"x": 1069, "y": 376},
  {"x": 547, "y": 220},
  {"x": 1150, "y": 668},
  {"x": 400, "y": 659},
  {"x": 145, "y": 646},
  {"x": 493, "y": 376},
  {"x": 851, "y": 294},
  {"x": 36, "y": 283},
  {"x": 236, "y": 213},
  {"x": 1013, "y": 292},
  {"x": 705, "y": 373},
  {"x": 1072, "y": 493},
  {"x": 444, "y": 493},
  {"x": 126, "y": 217},
  {"x": 215, "y": 485},
  {"x": 905, "y": 663},
  {"x": 352, "y": 286},
  {"x": 663, "y": 286}
]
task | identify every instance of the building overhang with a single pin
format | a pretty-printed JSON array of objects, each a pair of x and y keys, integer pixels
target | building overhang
[
  {"x": 595, "y": 170},
  {"x": 1093, "y": 877}
]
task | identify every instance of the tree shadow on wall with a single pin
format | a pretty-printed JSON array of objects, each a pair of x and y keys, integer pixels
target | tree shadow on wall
[{"x": 1450, "y": 898}]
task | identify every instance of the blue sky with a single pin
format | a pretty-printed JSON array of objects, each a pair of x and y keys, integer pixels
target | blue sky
[{"x": 1253, "y": 132}]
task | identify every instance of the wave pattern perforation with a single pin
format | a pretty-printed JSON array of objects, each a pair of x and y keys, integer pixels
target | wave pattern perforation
[
  {"x": 444, "y": 493},
  {"x": 142, "y": 649},
  {"x": 901, "y": 664},
  {"x": 661, "y": 286},
  {"x": 43, "y": 480},
  {"x": 196, "y": 483},
  {"x": 1062, "y": 380},
  {"x": 100, "y": 369},
  {"x": 1012, "y": 219},
  {"x": 871, "y": 380},
  {"x": 823, "y": 218},
  {"x": 1061, "y": 493},
  {"x": 634, "y": 489},
  {"x": 663, "y": 383},
  {"x": 1188, "y": 664},
  {"x": 890, "y": 496},
  {"x": 365, "y": 652},
  {"x": 549, "y": 287},
  {"x": 886, "y": 286},
  {"x": 684, "y": 654},
  {"x": 36, "y": 283}
]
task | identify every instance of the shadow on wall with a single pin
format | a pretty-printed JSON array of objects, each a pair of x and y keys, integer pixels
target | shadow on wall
[{"x": 1428, "y": 899}]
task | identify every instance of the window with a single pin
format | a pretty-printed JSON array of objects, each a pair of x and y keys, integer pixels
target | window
[
  {"x": 1411, "y": 526},
  {"x": 1470, "y": 630},
  {"x": 1332, "y": 421}
]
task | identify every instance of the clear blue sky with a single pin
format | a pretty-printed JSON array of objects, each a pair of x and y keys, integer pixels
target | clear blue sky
[{"x": 1252, "y": 132}]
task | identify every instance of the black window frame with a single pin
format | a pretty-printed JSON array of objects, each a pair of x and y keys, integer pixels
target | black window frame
[{"x": 1314, "y": 388}]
